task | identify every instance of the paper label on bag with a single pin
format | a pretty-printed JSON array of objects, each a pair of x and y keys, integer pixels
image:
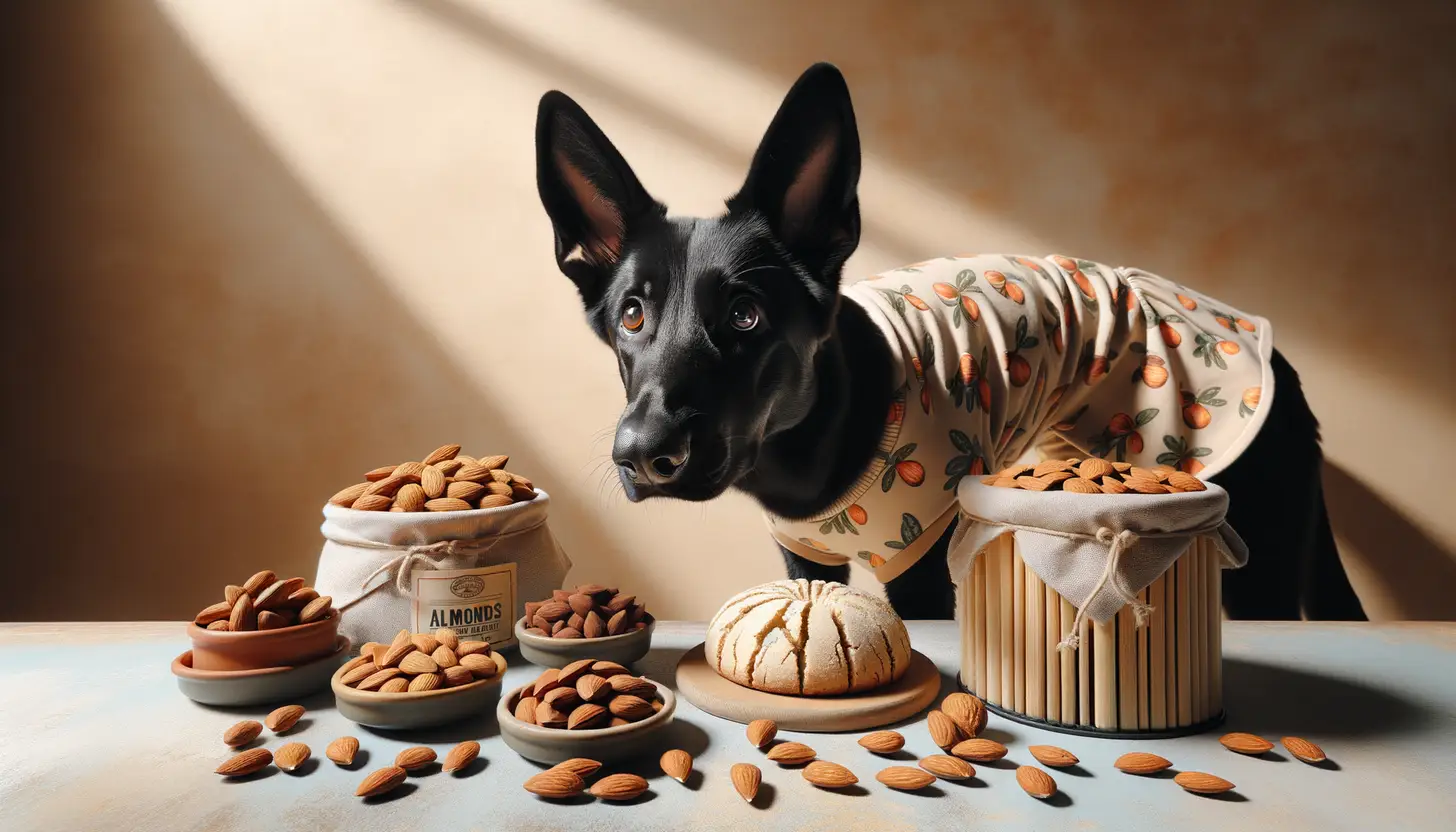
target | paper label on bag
[{"x": 478, "y": 604}]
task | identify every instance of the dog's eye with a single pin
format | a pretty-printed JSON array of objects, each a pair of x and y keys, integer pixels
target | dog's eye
[
  {"x": 632, "y": 316},
  {"x": 743, "y": 314}
]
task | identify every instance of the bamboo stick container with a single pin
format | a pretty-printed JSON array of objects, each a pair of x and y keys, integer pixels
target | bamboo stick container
[{"x": 1164, "y": 679}]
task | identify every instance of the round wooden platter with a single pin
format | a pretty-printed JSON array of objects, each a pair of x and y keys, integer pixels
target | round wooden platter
[{"x": 701, "y": 685}]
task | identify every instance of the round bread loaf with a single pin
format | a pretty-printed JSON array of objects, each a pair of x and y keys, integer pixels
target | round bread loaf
[{"x": 808, "y": 638}]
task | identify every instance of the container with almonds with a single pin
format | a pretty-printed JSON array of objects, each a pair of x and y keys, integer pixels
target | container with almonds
[
  {"x": 445, "y": 480},
  {"x": 586, "y": 621},
  {"x": 1094, "y": 476},
  {"x": 419, "y": 679},
  {"x": 264, "y": 622},
  {"x": 589, "y": 708}
]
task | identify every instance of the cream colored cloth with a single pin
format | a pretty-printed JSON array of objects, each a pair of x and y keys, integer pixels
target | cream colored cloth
[{"x": 1003, "y": 353}]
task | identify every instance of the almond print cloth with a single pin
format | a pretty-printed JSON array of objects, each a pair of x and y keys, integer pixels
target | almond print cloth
[{"x": 1000, "y": 354}]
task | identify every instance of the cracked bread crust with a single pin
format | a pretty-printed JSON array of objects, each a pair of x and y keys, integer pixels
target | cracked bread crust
[{"x": 808, "y": 638}]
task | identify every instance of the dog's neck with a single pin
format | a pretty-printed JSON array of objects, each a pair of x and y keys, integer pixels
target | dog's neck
[{"x": 804, "y": 469}]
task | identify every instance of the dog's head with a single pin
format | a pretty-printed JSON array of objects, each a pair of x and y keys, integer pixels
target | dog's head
[{"x": 716, "y": 322}]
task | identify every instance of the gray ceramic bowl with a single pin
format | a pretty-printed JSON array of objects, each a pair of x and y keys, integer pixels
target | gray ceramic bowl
[
  {"x": 418, "y": 710},
  {"x": 256, "y": 687},
  {"x": 560, "y": 652},
  {"x": 555, "y": 745}
]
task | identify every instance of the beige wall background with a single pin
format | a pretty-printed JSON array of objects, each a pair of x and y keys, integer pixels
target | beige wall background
[{"x": 253, "y": 249}]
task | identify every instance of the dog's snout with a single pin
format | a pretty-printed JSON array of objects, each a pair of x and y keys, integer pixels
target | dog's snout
[{"x": 649, "y": 455}]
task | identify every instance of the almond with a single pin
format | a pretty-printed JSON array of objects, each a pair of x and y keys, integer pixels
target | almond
[
  {"x": 1201, "y": 783},
  {"x": 259, "y": 581},
  {"x": 882, "y": 742},
  {"x": 791, "y": 754},
  {"x": 677, "y": 764},
  {"x": 409, "y": 470},
  {"x": 979, "y": 749},
  {"x": 746, "y": 779},
  {"x": 617, "y": 624},
  {"x": 447, "y": 504},
  {"x": 470, "y": 648},
  {"x": 456, "y": 676},
  {"x": 480, "y": 665},
  {"x": 447, "y": 637},
  {"x": 549, "y": 717},
  {"x": 584, "y": 716},
  {"x": 270, "y": 620},
  {"x": 411, "y": 497},
  {"x": 1245, "y": 743},
  {"x": 526, "y": 709},
  {"x": 342, "y": 750},
  {"x": 905, "y": 778},
  {"x": 359, "y": 674},
  {"x": 568, "y": 676},
  {"x": 316, "y": 610},
  {"x": 1092, "y": 467},
  {"x": 623, "y": 683},
  {"x": 449, "y": 466},
  {"x": 245, "y": 763},
  {"x": 242, "y": 733},
  {"x": 231, "y": 592},
  {"x": 378, "y": 678},
  {"x": 354, "y": 664},
  {"x": 566, "y": 632},
  {"x": 1036, "y": 782},
  {"x": 415, "y": 757},
  {"x": 562, "y": 698},
  {"x": 424, "y": 642},
  {"x": 377, "y": 654},
  {"x": 283, "y": 719},
  {"x": 402, "y": 646},
  {"x": 347, "y": 496},
  {"x": 217, "y": 612},
  {"x": 1304, "y": 750},
  {"x": 381, "y": 781},
  {"x": 243, "y": 616},
  {"x": 383, "y": 472},
  {"x": 1051, "y": 755},
  {"x": 555, "y": 784},
  {"x": 467, "y": 491},
  {"x": 372, "y": 502},
  {"x": 827, "y": 775},
  {"x": 387, "y": 487},
  {"x": 441, "y": 454},
  {"x": 276, "y": 595},
  {"x": 594, "y": 626},
  {"x": 947, "y": 767},
  {"x": 300, "y": 599},
  {"x": 967, "y": 712},
  {"x": 398, "y": 684},
  {"x": 292, "y": 755},
  {"x": 1141, "y": 762},
  {"x": 494, "y": 501},
  {"x": 630, "y": 707},
  {"x": 461, "y": 756},
  {"x": 608, "y": 669},
  {"x": 425, "y": 682},
  {"x": 580, "y": 766},
  {"x": 619, "y": 787},
  {"x": 943, "y": 730},
  {"x": 580, "y": 604},
  {"x": 219, "y": 625},
  {"x": 761, "y": 732},
  {"x": 593, "y": 688},
  {"x": 416, "y": 663}
]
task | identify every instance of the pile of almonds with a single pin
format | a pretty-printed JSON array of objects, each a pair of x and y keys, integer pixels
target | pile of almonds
[
  {"x": 1095, "y": 476},
  {"x": 586, "y": 694},
  {"x": 445, "y": 480},
  {"x": 418, "y": 662},
  {"x": 263, "y": 602},
  {"x": 588, "y": 611}
]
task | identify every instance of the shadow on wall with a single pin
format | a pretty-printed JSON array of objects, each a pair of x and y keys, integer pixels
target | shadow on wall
[
  {"x": 172, "y": 419},
  {"x": 1412, "y": 572}
]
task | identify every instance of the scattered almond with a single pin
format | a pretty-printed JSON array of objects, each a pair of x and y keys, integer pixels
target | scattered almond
[
  {"x": 244, "y": 763},
  {"x": 791, "y": 754},
  {"x": 283, "y": 719},
  {"x": 292, "y": 755},
  {"x": 979, "y": 749},
  {"x": 1036, "y": 782},
  {"x": 242, "y": 733},
  {"x": 1201, "y": 783},
  {"x": 555, "y": 784},
  {"x": 943, "y": 730},
  {"x": 461, "y": 756},
  {"x": 905, "y": 778},
  {"x": 380, "y": 781},
  {"x": 415, "y": 757},
  {"x": 580, "y": 766},
  {"x": 761, "y": 732},
  {"x": 342, "y": 750},
  {"x": 677, "y": 764},
  {"x": 746, "y": 778},
  {"x": 827, "y": 775},
  {"x": 882, "y": 742},
  {"x": 966, "y": 711},
  {"x": 1051, "y": 755},
  {"x": 619, "y": 787},
  {"x": 1141, "y": 762},
  {"x": 1245, "y": 743},
  {"x": 947, "y": 767},
  {"x": 1304, "y": 750}
]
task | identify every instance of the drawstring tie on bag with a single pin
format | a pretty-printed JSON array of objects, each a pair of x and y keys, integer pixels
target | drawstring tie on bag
[{"x": 426, "y": 556}]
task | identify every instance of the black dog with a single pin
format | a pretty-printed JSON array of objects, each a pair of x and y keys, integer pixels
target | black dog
[{"x": 736, "y": 353}]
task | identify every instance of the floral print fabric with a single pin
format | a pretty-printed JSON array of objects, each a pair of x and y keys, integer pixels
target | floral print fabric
[{"x": 1004, "y": 353}]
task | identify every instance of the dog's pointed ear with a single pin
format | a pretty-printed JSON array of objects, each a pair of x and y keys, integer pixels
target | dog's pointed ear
[
  {"x": 805, "y": 175},
  {"x": 590, "y": 193}
]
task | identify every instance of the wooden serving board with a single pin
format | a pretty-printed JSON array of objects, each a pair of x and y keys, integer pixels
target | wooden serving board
[{"x": 701, "y": 685}]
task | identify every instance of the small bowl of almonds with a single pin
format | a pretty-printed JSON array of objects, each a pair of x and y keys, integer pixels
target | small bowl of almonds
[
  {"x": 419, "y": 680},
  {"x": 588, "y": 621},
  {"x": 265, "y": 622},
  {"x": 590, "y": 708}
]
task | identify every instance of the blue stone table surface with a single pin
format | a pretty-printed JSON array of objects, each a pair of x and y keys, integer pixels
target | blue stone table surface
[{"x": 94, "y": 735}]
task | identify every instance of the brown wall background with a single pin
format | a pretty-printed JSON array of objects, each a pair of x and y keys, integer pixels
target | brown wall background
[{"x": 251, "y": 250}]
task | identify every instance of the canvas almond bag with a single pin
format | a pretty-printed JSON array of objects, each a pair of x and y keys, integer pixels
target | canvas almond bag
[{"x": 469, "y": 570}]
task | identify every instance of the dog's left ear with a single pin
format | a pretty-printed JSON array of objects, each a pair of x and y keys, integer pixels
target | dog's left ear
[{"x": 805, "y": 175}]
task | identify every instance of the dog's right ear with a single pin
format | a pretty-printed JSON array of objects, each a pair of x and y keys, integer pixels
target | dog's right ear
[{"x": 589, "y": 192}]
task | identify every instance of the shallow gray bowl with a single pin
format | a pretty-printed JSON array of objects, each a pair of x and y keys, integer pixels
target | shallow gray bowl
[
  {"x": 555, "y": 745},
  {"x": 560, "y": 652},
  {"x": 419, "y": 709},
  {"x": 256, "y": 687}
]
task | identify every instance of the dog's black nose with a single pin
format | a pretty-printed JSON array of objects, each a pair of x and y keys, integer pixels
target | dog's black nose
[{"x": 655, "y": 460}]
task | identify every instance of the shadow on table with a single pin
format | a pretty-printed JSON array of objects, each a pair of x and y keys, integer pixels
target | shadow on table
[{"x": 1279, "y": 701}]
